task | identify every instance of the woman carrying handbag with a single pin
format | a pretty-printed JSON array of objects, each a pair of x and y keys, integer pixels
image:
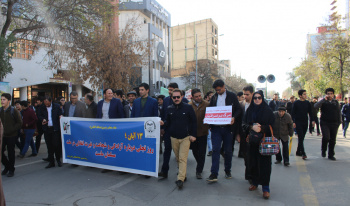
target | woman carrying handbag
[{"x": 257, "y": 123}]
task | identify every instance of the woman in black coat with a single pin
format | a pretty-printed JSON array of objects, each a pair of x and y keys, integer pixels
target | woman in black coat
[{"x": 258, "y": 119}]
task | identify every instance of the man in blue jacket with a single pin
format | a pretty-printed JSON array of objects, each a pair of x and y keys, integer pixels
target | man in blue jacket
[
  {"x": 109, "y": 107},
  {"x": 144, "y": 106}
]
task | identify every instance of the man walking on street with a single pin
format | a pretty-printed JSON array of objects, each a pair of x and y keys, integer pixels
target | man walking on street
[
  {"x": 74, "y": 108},
  {"x": 300, "y": 112},
  {"x": 40, "y": 106},
  {"x": 282, "y": 130},
  {"x": 181, "y": 124},
  {"x": 330, "y": 121},
  {"x": 315, "y": 118},
  {"x": 145, "y": 106},
  {"x": 128, "y": 108},
  {"x": 223, "y": 133},
  {"x": 50, "y": 119},
  {"x": 275, "y": 104},
  {"x": 341, "y": 107},
  {"x": 12, "y": 122},
  {"x": 199, "y": 147},
  {"x": 91, "y": 106},
  {"x": 167, "y": 141},
  {"x": 346, "y": 117},
  {"x": 109, "y": 107}
]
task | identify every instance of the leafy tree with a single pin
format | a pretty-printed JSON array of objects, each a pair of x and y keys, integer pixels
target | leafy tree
[
  {"x": 207, "y": 72},
  {"x": 112, "y": 59},
  {"x": 236, "y": 83},
  {"x": 59, "y": 24}
]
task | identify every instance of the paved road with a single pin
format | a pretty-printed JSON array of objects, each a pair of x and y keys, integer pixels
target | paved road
[{"x": 315, "y": 181}]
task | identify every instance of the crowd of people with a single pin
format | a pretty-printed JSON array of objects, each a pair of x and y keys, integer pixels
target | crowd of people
[{"x": 183, "y": 126}]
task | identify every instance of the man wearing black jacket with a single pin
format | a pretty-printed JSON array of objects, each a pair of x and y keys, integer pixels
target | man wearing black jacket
[
  {"x": 91, "y": 106},
  {"x": 223, "y": 133},
  {"x": 330, "y": 121},
  {"x": 50, "y": 119},
  {"x": 181, "y": 124},
  {"x": 300, "y": 112}
]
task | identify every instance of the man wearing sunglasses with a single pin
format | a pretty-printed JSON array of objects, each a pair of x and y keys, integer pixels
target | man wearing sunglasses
[
  {"x": 181, "y": 124},
  {"x": 167, "y": 142},
  {"x": 223, "y": 133}
]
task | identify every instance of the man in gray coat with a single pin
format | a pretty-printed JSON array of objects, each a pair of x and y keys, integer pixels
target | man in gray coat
[{"x": 282, "y": 130}]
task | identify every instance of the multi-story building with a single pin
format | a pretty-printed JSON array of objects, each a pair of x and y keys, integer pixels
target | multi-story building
[
  {"x": 183, "y": 43},
  {"x": 156, "y": 30},
  {"x": 224, "y": 68}
]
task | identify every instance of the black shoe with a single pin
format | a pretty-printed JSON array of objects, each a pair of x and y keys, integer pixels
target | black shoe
[
  {"x": 228, "y": 175},
  {"x": 332, "y": 158},
  {"x": 304, "y": 157},
  {"x": 212, "y": 178},
  {"x": 50, "y": 165},
  {"x": 46, "y": 159},
  {"x": 11, "y": 174},
  {"x": 179, "y": 184},
  {"x": 199, "y": 175},
  {"x": 210, "y": 153},
  {"x": 4, "y": 172},
  {"x": 20, "y": 156},
  {"x": 105, "y": 171},
  {"x": 323, "y": 154},
  {"x": 59, "y": 163},
  {"x": 286, "y": 164},
  {"x": 33, "y": 155},
  {"x": 163, "y": 175},
  {"x": 278, "y": 162},
  {"x": 147, "y": 177}
]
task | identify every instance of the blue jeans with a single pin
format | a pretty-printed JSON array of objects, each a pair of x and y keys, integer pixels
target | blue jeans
[
  {"x": 29, "y": 141},
  {"x": 346, "y": 125},
  {"x": 218, "y": 135},
  {"x": 210, "y": 146}
]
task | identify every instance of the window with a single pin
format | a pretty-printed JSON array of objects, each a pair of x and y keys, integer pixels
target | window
[
  {"x": 213, "y": 52},
  {"x": 216, "y": 42},
  {"x": 24, "y": 49},
  {"x": 216, "y": 31},
  {"x": 212, "y": 40},
  {"x": 212, "y": 28}
]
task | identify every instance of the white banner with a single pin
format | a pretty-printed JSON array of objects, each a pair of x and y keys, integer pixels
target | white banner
[{"x": 218, "y": 115}]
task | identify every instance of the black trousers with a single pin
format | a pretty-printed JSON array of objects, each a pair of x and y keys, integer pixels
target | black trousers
[
  {"x": 53, "y": 141},
  {"x": 38, "y": 139},
  {"x": 259, "y": 165},
  {"x": 301, "y": 128},
  {"x": 8, "y": 161},
  {"x": 166, "y": 152},
  {"x": 199, "y": 150},
  {"x": 311, "y": 128},
  {"x": 329, "y": 136},
  {"x": 285, "y": 150}
]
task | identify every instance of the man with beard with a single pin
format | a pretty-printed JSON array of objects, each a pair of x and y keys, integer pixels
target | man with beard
[{"x": 199, "y": 146}]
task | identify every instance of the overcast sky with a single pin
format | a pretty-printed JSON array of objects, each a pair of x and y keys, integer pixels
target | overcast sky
[{"x": 260, "y": 37}]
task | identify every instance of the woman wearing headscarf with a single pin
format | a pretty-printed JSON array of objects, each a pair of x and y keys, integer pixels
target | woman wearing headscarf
[{"x": 256, "y": 123}]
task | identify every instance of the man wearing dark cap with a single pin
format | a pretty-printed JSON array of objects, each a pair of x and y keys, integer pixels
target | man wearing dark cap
[
  {"x": 282, "y": 130},
  {"x": 128, "y": 108}
]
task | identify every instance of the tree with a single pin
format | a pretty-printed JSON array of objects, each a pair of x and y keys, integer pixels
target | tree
[
  {"x": 207, "y": 72},
  {"x": 236, "y": 83},
  {"x": 59, "y": 24},
  {"x": 287, "y": 93},
  {"x": 112, "y": 59}
]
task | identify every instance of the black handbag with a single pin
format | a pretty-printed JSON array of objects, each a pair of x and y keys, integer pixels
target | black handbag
[{"x": 254, "y": 137}]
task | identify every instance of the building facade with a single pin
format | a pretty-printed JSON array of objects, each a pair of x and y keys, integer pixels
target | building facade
[
  {"x": 224, "y": 68},
  {"x": 155, "y": 24},
  {"x": 183, "y": 44}
]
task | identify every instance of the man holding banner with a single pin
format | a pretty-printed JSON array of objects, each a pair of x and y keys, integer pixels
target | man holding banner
[
  {"x": 181, "y": 123},
  {"x": 223, "y": 132}
]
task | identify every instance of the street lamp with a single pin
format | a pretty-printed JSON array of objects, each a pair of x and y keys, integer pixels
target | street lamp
[{"x": 196, "y": 48}]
